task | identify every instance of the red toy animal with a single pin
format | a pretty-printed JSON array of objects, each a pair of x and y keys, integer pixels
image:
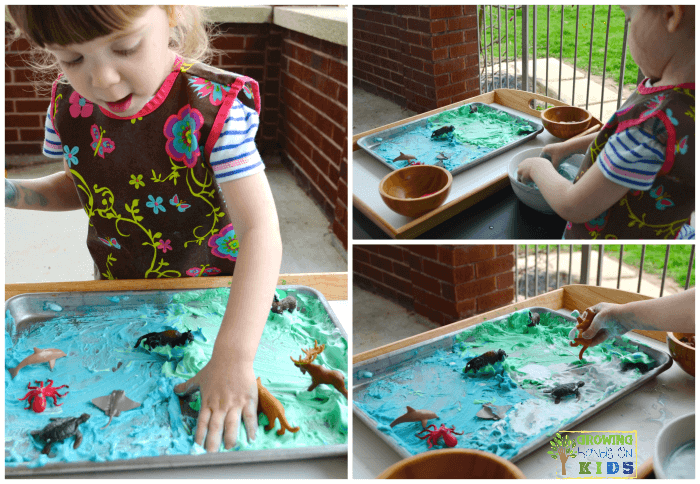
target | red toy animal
[
  {"x": 448, "y": 435},
  {"x": 37, "y": 395}
]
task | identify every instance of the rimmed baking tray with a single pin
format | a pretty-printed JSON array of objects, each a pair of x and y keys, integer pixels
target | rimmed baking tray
[
  {"x": 30, "y": 310},
  {"x": 385, "y": 365},
  {"x": 371, "y": 142}
]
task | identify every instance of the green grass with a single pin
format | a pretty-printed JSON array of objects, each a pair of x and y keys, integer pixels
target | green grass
[
  {"x": 654, "y": 256},
  {"x": 617, "y": 28}
]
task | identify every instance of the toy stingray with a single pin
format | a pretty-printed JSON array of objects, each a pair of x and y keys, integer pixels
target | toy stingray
[{"x": 114, "y": 404}]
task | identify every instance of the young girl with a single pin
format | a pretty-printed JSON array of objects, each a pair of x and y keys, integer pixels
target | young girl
[
  {"x": 153, "y": 143},
  {"x": 637, "y": 180}
]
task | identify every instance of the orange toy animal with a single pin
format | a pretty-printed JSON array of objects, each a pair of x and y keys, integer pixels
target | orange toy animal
[
  {"x": 584, "y": 321},
  {"x": 319, "y": 374},
  {"x": 273, "y": 409}
]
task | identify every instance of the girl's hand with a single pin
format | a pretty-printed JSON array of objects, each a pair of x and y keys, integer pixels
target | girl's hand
[
  {"x": 528, "y": 166},
  {"x": 608, "y": 322},
  {"x": 228, "y": 391},
  {"x": 556, "y": 153}
]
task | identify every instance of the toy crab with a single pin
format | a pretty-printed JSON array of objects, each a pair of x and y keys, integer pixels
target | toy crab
[
  {"x": 448, "y": 435},
  {"x": 37, "y": 395}
]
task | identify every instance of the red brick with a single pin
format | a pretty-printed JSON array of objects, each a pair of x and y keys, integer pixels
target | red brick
[
  {"x": 452, "y": 90},
  {"x": 447, "y": 39},
  {"x": 458, "y": 51},
  {"x": 402, "y": 270},
  {"x": 446, "y": 254},
  {"x": 504, "y": 249},
  {"x": 466, "y": 308},
  {"x": 463, "y": 274},
  {"x": 438, "y": 26},
  {"x": 426, "y": 283},
  {"x": 420, "y": 25},
  {"x": 19, "y": 91},
  {"x": 22, "y": 121},
  {"x": 23, "y": 149},
  {"x": 465, "y": 254},
  {"x": 433, "y": 301},
  {"x": 22, "y": 75},
  {"x": 392, "y": 252},
  {"x": 476, "y": 288},
  {"x": 31, "y": 134},
  {"x": 448, "y": 66},
  {"x": 495, "y": 300},
  {"x": 427, "y": 251},
  {"x": 431, "y": 314},
  {"x": 505, "y": 280},
  {"x": 407, "y": 10},
  {"x": 380, "y": 263},
  {"x": 11, "y": 135},
  {"x": 439, "y": 271},
  {"x": 445, "y": 11},
  {"x": 341, "y": 231},
  {"x": 458, "y": 23},
  {"x": 440, "y": 54},
  {"x": 495, "y": 266},
  {"x": 400, "y": 285}
]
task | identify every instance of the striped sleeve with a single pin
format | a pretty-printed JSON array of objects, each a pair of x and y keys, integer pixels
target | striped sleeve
[
  {"x": 234, "y": 154},
  {"x": 632, "y": 158},
  {"x": 52, "y": 143}
]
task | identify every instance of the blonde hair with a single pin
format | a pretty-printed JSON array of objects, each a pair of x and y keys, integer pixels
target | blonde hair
[{"x": 42, "y": 25}]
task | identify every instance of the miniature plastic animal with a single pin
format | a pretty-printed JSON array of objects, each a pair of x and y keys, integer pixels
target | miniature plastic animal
[
  {"x": 59, "y": 430},
  {"x": 413, "y": 415},
  {"x": 37, "y": 395},
  {"x": 114, "y": 404},
  {"x": 448, "y": 435},
  {"x": 402, "y": 156},
  {"x": 39, "y": 356},
  {"x": 440, "y": 131},
  {"x": 171, "y": 337},
  {"x": 442, "y": 156},
  {"x": 534, "y": 319},
  {"x": 319, "y": 374},
  {"x": 273, "y": 409},
  {"x": 584, "y": 321},
  {"x": 289, "y": 303},
  {"x": 488, "y": 358},
  {"x": 564, "y": 390}
]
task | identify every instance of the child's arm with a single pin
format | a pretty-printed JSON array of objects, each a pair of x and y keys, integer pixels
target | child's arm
[
  {"x": 670, "y": 313},
  {"x": 574, "y": 202},
  {"x": 53, "y": 193},
  {"x": 559, "y": 151},
  {"x": 227, "y": 382}
]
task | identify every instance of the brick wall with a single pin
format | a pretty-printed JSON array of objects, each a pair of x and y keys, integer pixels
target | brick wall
[
  {"x": 303, "y": 86},
  {"x": 445, "y": 283},
  {"x": 313, "y": 121},
  {"x": 421, "y": 57}
]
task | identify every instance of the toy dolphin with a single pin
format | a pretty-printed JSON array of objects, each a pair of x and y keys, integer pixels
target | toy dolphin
[
  {"x": 413, "y": 415},
  {"x": 114, "y": 404},
  {"x": 403, "y": 156},
  {"x": 39, "y": 356}
]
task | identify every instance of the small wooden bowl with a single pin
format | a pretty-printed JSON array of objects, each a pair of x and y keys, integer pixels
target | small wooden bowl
[
  {"x": 681, "y": 352},
  {"x": 415, "y": 190},
  {"x": 566, "y": 121},
  {"x": 453, "y": 464}
]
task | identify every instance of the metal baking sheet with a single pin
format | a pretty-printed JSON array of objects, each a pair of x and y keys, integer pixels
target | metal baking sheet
[
  {"x": 29, "y": 310},
  {"x": 369, "y": 144},
  {"x": 384, "y": 365}
]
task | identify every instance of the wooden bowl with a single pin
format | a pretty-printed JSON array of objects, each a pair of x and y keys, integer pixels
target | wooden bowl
[
  {"x": 415, "y": 190},
  {"x": 566, "y": 121},
  {"x": 453, "y": 464},
  {"x": 681, "y": 352}
]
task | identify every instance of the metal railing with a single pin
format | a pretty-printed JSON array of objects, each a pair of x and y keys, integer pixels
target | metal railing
[
  {"x": 529, "y": 281},
  {"x": 487, "y": 45}
]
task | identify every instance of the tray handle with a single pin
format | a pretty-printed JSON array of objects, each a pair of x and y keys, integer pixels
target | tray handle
[{"x": 520, "y": 100}]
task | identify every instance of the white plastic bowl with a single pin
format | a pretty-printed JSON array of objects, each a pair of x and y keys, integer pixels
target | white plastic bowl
[
  {"x": 531, "y": 196},
  {"x": 674, "y": 434}
]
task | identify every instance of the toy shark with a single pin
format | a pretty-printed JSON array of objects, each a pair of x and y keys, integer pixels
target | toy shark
[
  {"x": 413, "y": 415},
  {"x": 114, "y": 404},
  {"x": 39, "y": 356}
]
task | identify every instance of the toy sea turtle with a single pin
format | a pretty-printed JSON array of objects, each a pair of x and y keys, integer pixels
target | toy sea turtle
[
  {"x": 59, "y": 430},
  {"x": 564, "y": 390}
]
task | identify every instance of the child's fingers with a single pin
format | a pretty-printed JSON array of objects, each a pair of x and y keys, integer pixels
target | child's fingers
[
  {"x": 214, "y": 431},
  {"x": 202, "y": 424},
  {"x": 250, "y": 419},
  {"x": 231, "y": 424}
]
